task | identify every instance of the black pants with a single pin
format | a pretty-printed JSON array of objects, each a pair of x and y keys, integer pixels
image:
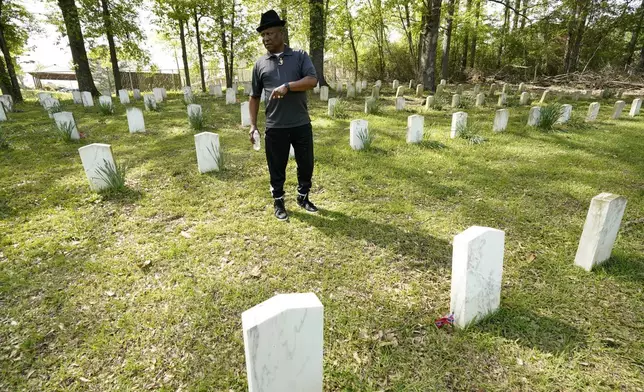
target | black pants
[{"x": 278, "y": 145}]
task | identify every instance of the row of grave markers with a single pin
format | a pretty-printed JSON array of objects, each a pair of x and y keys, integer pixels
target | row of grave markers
[{"x": 284, "y": 336}]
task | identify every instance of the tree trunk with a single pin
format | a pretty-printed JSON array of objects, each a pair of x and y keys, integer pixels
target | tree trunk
[
  {"x": 447, "y": 40},
  {"x": 640, "y": 65},
  {"x": 504, "y": 29},
  {"x": 77, "y": 47},
  {"x": 525, "y": 10},
  {"x": 515, "y": 21},
  {"x": 477, "y": 18},
  {"x": 316, "y": 37},
  {"x": 429, "y": 42},
  {"x": 5, "y": 81},
  {"x": 284, "y": 11},
  {"x": 199, "y": 53},
  {"x": 231, "y": 53},
  {"x": 579, "y": 36},
  {"x": 405, "y": 22},
  {"x": 107, "y": 22},
  {"x": 353, "y": 43},
  {"x": 184, "y": 54},
  {"x": 467, "y": 27},
  {"x": 635, "y": 35},
  {"x": 572, "y": 22},
  {"x": 224, "y": 46}
]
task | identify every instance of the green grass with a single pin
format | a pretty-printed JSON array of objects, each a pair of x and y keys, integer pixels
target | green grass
[{"x": 144, "y": 290}]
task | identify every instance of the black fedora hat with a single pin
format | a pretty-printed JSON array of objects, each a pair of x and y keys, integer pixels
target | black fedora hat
[{"x": 270, "y": 19}]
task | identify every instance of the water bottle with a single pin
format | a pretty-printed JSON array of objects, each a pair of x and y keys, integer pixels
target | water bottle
[{"x": 256, "y": 144}]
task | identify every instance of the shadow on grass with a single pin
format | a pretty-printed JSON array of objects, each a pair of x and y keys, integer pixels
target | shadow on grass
[
  {"x": 624, "y": 266},
  {"x": 533, "y": 331},
  {"x": 122, "y": 197},
  {"x": 424, "y": 249}
]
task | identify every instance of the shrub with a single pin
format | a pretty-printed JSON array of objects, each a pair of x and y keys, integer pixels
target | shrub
[
  {"x": 549, "y": 116},
  {"x": 65, "y": 131},
  {"x": 469, "y": 133},
  {"x": 217, "y": 155},
  {"x": 113, "y": 175},
  {"x": 196, "y": 120},
  {"x": 106, "y": 109},
  {"x": 341, "y": 109},
  {"x": 366, "y": 138}
]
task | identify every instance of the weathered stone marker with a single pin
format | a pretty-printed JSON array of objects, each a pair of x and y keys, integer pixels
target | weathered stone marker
[
  {"x": 231, "y": 96},
  {"x": 283, "y": 344},
  {"x": 395, "y": 85},
  {"x": 534, "y": 116},
  {"x": 600, "y": 230},
  {"x": 158, "y": 94},
  {"x": 635, "y": 107},
  {"x": 443, "y": 82},
  {"x": 375, "y": 92},
  {"x": 419, "y": 90},
  {"x": 477, "y": 89},
  {"x": 566, "y": 113},
  {"x": 135, "y": 120},
  {"x": 593, "y": 111},
  {"x": 501, "y": 120},
  {"x": 502, "y": 100},
  {"x": 619, "y": 108},
  {"x": 477, "y": 271},
  {"x": 194, "y": 110},
  {"x": 65, "y": 123},
  {"x": 480, "y": 99},
  {"x": 492, "y": 90},
  {"x": 459, "y": 89},
  {"x": 136, "y": 94},
  {"x": 369, "y": 105},
  {"x": 459, "y": 121},
  {"x": 521, "y": 87},
  {"x": 440, "y": 89},
  {"x": 331, "y": 107},
  {"x": 456, "y": 100},
  {"x": 544, "y": 96},
  {"x": 525, "y": 98},
  {"x": 95, "y": 157},
  {"x": 208, "y": 152},
  {"x": 358, "y": 133},
  {"x": 379, "y": 83},
  {"x": 400, "y": 91},
  {"x": 105, "y": 101},
  {"x": 324, "y": 93},
  {"x": 245, "y": 114},
  {"x": 150, "y": 102},
  {"x": 400, "y": 103},
  {"x": 351, "y": 91},
  {"x": 7, "y": 102},
  {"x": 76, "y": 96},
  {"x": 429, "y": 102},
  {"x": 3, "y": 114},
  {"x": 87, "y": 99},
  {"x": 188, "y": 96},
  {"x": 124, "y": 97},
  {"x": 42, "y": 97},
  {"x": 415, "y": 128}
]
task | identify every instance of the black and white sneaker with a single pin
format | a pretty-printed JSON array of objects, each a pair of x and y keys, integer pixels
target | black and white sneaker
[
  {"x": 280, "y": 210},
  {"x": 304, "y": 202}
]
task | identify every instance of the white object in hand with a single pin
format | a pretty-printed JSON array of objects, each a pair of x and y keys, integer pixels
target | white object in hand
[{"x": 256, "y": 142}]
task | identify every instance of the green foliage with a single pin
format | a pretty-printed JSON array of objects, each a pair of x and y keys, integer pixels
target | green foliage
[
  {"x": 217, "y": 155},
  {"x": 196, "y": 120},
  {"x": 341, "y": 109},
  {"x": 55, "y": 108},
  {"x": 65, "y": 131},
  {"x": 113, "y": 175},
  {"x": 366, "y": 138},
  {"x": 106, "y": 109},
  {"x": 549, "y": 116},
  {"x": 469, "y": 131}
]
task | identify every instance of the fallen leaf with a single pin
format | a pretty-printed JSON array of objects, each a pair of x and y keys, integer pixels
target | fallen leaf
[
  {"x": 109, "y": 293},
  {"x": 256, "y": 272},
  {"x": 185, "y": 234},
  {"x": 83, "y": 379},
  {"x": 531, "y": 257},
  {"x": 357, "y": 357}
]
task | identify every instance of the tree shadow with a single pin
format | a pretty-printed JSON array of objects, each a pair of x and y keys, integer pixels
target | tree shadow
[
  {"x": 425, "y": 250},
  {"x": 624, "y": 266},
  {"x": 532, "y": 330}
]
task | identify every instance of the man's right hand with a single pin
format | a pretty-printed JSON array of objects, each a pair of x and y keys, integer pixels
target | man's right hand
[{"x": 253, "y": 128}]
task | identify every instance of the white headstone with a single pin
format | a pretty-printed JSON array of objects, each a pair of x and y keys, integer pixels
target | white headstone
[
  {"x": 459, "y": 121},
  {"x": 635, "y": 107},
  {"x": 477, "y": 89},
  {"x": 395, "y": 85},
  {"x": 158, "y": 94},
  {"x": 106, "y": 101},
  {"x": 502, "y": 99},
  {"x": 7, "y": 102},
  {"x": 534, "y": 116},
  {"x": 324, "y": 93},
  {"x": 3, "y": 114},
  {"x": 358, "y": 87},
  {"x": 231, "y": 96},
  {"x": 94, "y": 157},
  {"x": 283, "y": 344},
  {"x": 415, "y": 128},
  {"x": 400, "y": 91},
  {"x": 443, "y": 82},
  {"x": 411, "y": 84},
  {"x": 456, "y": 100},
  {"x": 65, "y": 121},
  {"x": 419, "y": 90},
  {"x": 87, "y": 99},
  {"x": 338, "y": 86},
  {"x": 359, "y": 130},
  {"x": 245, "y": 114},
  {"x": 639, "y": 104},
  {"x": 521, "y": 87},
  {"x": 351, "y": 91},
  {"x": 331, "y": 106},
  {"x": 42, "y": 97},
  {"x": 194, "y": 110},
  {"x": 375, "y": 92},
  {"x": 600, "y": 230},
  {"x": 217, "y": 91},
  {"x": 593, "y": 111},
  {"x": 525, "y": 98},
  {"x": 50, "y": 105},
  {"x": 379, "y": 83},
  {"x": 505, "y": 89},
  {"x": 439, "y": 90},
  {"x": 364, "y": 84},
  {"x": 164, "y": 93},
  {"x": 477, "y": 271},
  {"x": 501, "y": 120},
  {"x": 124, "y": 97},
  {"x": 136, "y": 94},
  {"x": 188, "y": 96},
  {"x": 566, "y": 113},
  {"x": 208, "y": 152},
  {"x": 459, "y": 89},
  {"x": 492, "y": 90},
  {"x": 76, "y": 96},
  {"x": 429, "y": 102},
  {"x": 480, "y": 99},
  {"x": 400, "y": 103},
  {"x": 150, "y": 102},
  {"x": 369, "y": 105},
  {"x": 544, "y": 96},
  {"x": 619, "y": 107},
  {"x": 135, "y": 121}
]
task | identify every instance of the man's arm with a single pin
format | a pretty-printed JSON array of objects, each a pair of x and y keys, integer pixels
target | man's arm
[
  {"x": 304, "y": 84},
  {"x": 253, "y": 108}
]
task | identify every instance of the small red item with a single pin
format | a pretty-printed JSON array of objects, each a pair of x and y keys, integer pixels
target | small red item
[{"x": 443, "y": 321}]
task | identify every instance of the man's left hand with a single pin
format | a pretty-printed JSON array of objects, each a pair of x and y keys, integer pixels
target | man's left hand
[{"x": 279, "y": 92}]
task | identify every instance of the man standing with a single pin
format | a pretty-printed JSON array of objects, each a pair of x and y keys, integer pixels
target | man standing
[{"x": 284, "y": 75}]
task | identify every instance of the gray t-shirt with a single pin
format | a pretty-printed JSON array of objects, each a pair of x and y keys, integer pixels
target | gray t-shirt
[{"x": 270, "y": 72}]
